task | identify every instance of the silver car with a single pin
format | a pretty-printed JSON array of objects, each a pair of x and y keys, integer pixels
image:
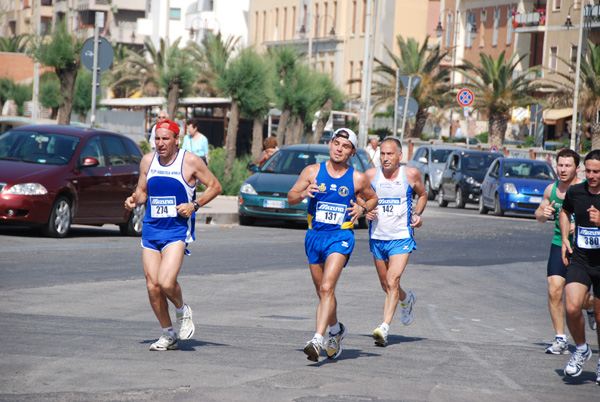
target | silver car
[{"x": 430, "y": 160}]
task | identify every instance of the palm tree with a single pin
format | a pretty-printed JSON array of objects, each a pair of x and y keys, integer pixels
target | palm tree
[
  {"x": 212, "y": 54},
  {"x": 286, "y": 60},
  {"x": 328, "y": 97},
  {"x": 498, "y": 88},
  {"x": 168, "y": 68},
  {"x": 589, "y": 94},
  {"x": 15, "y": 44},
  {"x": 417, "y": 60}
]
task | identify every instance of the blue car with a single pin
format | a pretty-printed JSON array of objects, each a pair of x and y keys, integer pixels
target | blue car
[
  {"x": 263, "y": 196},
  {"x": 515, "y": 185}
]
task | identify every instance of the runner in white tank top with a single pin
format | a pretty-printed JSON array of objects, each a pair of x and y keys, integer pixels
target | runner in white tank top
[{"x": 391, "y": 230}]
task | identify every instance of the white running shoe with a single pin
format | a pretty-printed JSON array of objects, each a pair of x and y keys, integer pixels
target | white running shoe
[
  {"x": 407, "y": 311},
  {"x": 559, "y": 347},
  {"x": 380, "y": 336},
  {"x": 578, "y": 359},
  {"x": 592, "y": 320},
  {"x": 334, "y": 345},
  {"x": 165, "y": 342},
  {"x": 186, "y": 325},
  {"x": 312, "y": 350}
]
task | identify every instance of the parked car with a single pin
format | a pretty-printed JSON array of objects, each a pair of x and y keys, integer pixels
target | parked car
[
  {"x": 462, "y": 176},
  {"x": 263, "y": 195},
  {"x": 430, "y": 160},
  {"x": 53, "y": 176},
  {"x": 515, "y": 185}
]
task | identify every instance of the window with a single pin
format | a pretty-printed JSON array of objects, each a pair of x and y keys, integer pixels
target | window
[
  {"x": 175, "y": 13},
  {"x": 316, "y": 24},
  {"x": 335, "y": 13},
  {"x": 553, "y": 58},
  {"x": 256, "y": 27},
  {"x": 93, "y": 149},
  {"x": 276, "y": 32},
  {"x": 364, "y": 16},
  {"x": 557, "y": 4},
  {"x": 134, "y": 153},
  {"x": 469, "y": 28},
  {"x": 509, "y": 26},
  {"x": 325, "y": 19},
  {"x": 350, "y": 77},
  {"x": 284, "y": 23},
  {"x": 117, "y": 154},
  {"x": 264, "y": 25},
  {"x": 293, "y": 21},
  {"x": 573, "y": 58},
  {"x": 448, "y": 30},
  {"x": 353, "y": 17},
  {"x": 496, "y": 23}
]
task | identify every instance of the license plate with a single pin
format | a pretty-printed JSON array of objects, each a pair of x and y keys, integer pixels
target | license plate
[
  {"x": 274, "y": 204},
  {"x": 535, "y": 200}
]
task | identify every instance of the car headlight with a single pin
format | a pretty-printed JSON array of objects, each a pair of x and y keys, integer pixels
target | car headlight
[
  {"x": 470, "y": 180},
  {"x": 510, "y": 188},
  {"x": 248, "y": 189},
  {"x": 27, "y": 189}
]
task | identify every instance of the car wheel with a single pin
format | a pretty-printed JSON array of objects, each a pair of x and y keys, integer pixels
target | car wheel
[
  {"x": 362, "y": 223},
  {"x": 483, "y": 210},
  {"x": 59, "y": 222},
  {"x": 133, "y": 226},
  {"x": 441, "y": 202},
  {"x": 246, "y": 220},
  {"x": 497, "y": 208},
  {"x": 429, "y": 189},
  {"x": 459, "y": 199}
]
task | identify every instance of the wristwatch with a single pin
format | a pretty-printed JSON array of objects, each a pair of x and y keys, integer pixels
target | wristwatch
[
  {"x": 416, "y": 213},
  {"x": 196, "y": 206},
  {"x": 364, "y": 210}
]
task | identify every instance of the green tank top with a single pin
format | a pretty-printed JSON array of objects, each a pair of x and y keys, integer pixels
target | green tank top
[{"x": 557, "y": 239}]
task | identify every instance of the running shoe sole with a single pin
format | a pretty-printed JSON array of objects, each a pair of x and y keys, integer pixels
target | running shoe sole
[
  {"x": 378, "y": 338},
  {"x": 578, "y": 373},
  {"x": 189, "y": 331},
  {"x": 337, "y": 353},
  {"x": 411, "y": 316},
  {"x": 311, "y": 353},
  {"x": 157, "y": 348}
]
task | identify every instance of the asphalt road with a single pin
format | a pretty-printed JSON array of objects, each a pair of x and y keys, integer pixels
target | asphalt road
[{"x": 76, "y": 322}]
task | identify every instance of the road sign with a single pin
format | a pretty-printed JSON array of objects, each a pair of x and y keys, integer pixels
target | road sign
[
  {"x": 412, "y": 109},
  {"x": 465, "y": 97},
  {"x": 494, "y": 148},
  {"x": 105, "y": 54},
  {"x": 408, "y": 83}
]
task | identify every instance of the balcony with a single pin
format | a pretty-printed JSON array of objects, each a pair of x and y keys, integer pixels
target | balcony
[{"x": 530, "y": 22}]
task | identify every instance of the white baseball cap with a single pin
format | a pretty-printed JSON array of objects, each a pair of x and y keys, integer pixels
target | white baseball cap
[{"x": 347, "y": 134}]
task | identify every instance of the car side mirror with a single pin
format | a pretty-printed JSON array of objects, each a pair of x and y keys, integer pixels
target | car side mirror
[
  {"x": 422, "y": 160},
  {"x": 252, "y": 168},
  {"x": 90, "y": 162}
]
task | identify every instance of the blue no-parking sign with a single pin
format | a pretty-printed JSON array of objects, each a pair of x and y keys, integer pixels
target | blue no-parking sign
[
  {"x": 465, "y": 97},
  {"x": 494, "y": 148}
]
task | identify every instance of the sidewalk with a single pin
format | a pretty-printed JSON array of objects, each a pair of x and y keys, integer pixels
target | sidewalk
[{"x": 220, "y": 211}]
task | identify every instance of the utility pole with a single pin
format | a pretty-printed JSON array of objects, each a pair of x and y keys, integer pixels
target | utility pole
[
  {"x": 35, "y": 112},
  {"x": 362, "y": 128},
  {"x": 574, "y": 124}
]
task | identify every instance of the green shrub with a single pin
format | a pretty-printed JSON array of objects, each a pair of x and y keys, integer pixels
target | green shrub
[
  {"x": 239, "y": 173},
  {"x": 144, "y": 146},
  {"x": 586, "y": 146},
  {"x": 483, "y": 137},
  {"x": 529, "y": 141},
  {"x": 428, "y": 136}
]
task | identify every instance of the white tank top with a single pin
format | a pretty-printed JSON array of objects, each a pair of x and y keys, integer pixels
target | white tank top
[{"x": 394, "y": 211}]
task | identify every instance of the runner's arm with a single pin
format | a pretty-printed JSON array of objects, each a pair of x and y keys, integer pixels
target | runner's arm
[
  {"x": 414, "y": 178},
  {"x": 565, "y": 226},
  {"x": 140, "y": 195},
  {"x": 545, "y": 210},
  {"x": 305, "y": 186}
]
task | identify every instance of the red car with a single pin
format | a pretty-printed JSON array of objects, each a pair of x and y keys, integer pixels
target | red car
[{"x": 54, "y": 176}]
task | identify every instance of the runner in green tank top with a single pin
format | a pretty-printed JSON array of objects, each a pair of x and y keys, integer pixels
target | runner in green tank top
[{"x": 567, "y": 166}]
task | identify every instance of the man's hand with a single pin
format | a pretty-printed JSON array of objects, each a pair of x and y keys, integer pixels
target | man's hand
[
  {"x": 355, "y": 211},
  {"x": 549, "y": 210},
  {"x": 417, "y": 221},
  {"x": 312, "y": 188},
  {"x": 186, "y": 209},
  {"x": 371, "y": 214},
  {"x": 594, "y": 215},
  {"x": 130, "y": 202},
  {"x": 566, "y": 252}
]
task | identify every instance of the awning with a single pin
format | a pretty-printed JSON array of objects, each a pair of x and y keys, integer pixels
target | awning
[{"x": 552, "y": 115}]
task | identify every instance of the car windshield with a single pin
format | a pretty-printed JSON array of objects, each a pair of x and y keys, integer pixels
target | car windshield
[
  {"x": 529, "y": 170},
  {"x": 440, "y": 155},
  {"x": 294, "y": 161},
  {"x": 37, "y": 147},
  {"x": 478, "y": 162}
]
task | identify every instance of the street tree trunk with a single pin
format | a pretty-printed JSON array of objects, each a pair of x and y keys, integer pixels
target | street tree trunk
[
  {"x": 497, "y": 125},
  {"x": 232, "y": 129},
  {"x": 257, "y": 136},
  {"x": 295, "y": 132},
  {"x": 284, "y": 120},
  {"x": 67, "y": 77},
  {"x": 173, "y": 101},
  {"x": 595, "y": 134},
  {"x": 420, "y": 121},
  {"x": 323, "y": 117}
]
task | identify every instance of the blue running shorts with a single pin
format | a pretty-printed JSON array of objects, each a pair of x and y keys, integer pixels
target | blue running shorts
[
  {"x": 318, "y": 245},
  {"x": 383, "y": 249},
  {"x": 555, "y": 262},
  {"x": 160, "y": 245}
]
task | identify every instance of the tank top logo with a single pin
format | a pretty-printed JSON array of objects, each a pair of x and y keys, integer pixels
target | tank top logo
[
  {"x": 322, "y": 188},
  {"x": 343, "y": 191}
]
